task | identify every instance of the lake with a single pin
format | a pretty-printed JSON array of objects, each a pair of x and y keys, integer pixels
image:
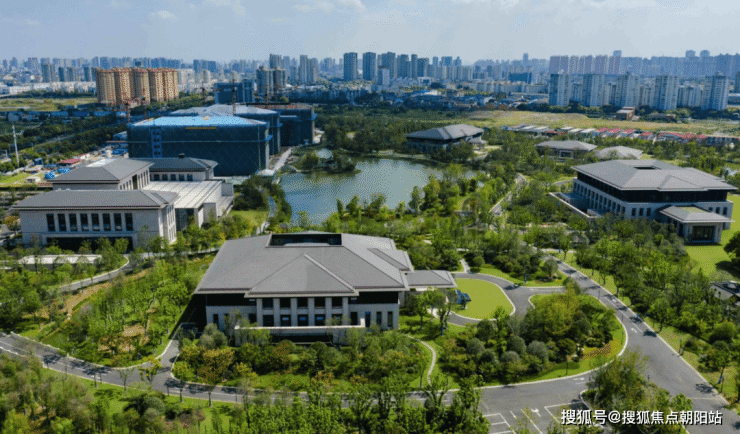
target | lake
[{"x": 317, "y": 193}]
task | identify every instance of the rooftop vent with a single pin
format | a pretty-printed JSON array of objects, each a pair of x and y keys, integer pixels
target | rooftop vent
[{"x": 181, "y": 156}]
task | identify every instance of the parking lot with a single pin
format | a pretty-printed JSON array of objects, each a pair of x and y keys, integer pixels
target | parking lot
[{"x": 536, "y": 419}]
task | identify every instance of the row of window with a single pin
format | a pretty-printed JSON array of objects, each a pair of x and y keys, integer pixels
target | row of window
[
  {"x": 90, "y": 222},
  {"x": 319, "y": 319},
  {"x": 172, "y": 177},
  {"x": 319, "y": 302}
]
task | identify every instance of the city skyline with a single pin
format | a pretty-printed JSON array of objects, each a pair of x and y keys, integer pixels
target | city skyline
[{"x": 472, "y": 29}]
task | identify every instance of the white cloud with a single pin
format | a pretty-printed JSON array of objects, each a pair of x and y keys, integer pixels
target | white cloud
[
  {"x": 235, "y": 5},
  {"x": 31, "y": 23},
  {"x": 163, "y": 15}
]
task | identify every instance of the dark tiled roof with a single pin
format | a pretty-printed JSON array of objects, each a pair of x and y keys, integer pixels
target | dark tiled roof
[
  {"x": 622, "y": 152},
  {"x": 91, "y": 199},
  {"x": 652, "y": 175},
  {"x": 569, "y": 145},
  {"x": 179, "y": 164},
  {"x": 256, "y": 265},
  {"x": 103, "y": 171},
  {"x": 450, "y": 132}
]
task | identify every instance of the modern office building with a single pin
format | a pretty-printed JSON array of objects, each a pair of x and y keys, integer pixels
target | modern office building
[
  {"x": 125, "y": 198},
  {"x": 666, "y": 87},
  {"x": 716, "y": 92},
  {"x": 296, "y": 123},
  {"x": 239, "y": 146},
  {"x": 350, "y": 66},
  {"x": 441, "y": 138},
  {"x": 694, "y": 201},
  {"x": 315, "y": 285},
  {"x": 560, "y": 89}
]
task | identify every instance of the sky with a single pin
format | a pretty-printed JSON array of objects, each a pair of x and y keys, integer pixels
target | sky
[{"x": 224, "y": 30}]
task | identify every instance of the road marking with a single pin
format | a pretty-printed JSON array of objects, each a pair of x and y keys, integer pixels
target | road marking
[{"x": 530, "y": 419}]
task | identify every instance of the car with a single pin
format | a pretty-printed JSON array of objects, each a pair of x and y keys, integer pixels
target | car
[{"x": 730, "y": 286}]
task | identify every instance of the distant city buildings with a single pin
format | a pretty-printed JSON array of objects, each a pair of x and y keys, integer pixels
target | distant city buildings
[
  {"x": 350, "y": 66},
  {"x": 716, "y": 92},
  {"x": 119, "y": 86},
  {"x": 560, "y": 85}
]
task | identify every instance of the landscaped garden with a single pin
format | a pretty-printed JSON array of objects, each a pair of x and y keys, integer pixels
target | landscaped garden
[{"x": 485, "y": 299}]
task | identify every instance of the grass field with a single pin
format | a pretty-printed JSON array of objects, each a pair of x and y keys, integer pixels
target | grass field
[
  {"x": 257, "y": 217},
  {"x": 485, "y": 296},
  {"x": 498, "y": 118},
  {"x": 39, "y": 104},
  {"x": 711, "y": 257},
  {"x": 18, "y": 178}
]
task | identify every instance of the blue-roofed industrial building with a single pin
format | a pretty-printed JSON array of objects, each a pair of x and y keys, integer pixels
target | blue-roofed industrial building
[
  {"x": 240, "y": 146},
  {"x": 272, "y": 118}
]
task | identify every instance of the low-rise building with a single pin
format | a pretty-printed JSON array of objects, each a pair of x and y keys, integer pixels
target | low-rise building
[
  {"x": 694, "y": 201},
  {"x": 564, "y": 148},
  {"x": 441, "y": 138},
  {"x": 311, "y": 284}
]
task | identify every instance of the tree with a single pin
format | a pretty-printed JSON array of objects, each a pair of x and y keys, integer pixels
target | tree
[
  {"x": 720, "y": 357},
  {"x": 125, "y": 373},
  {"x": 184, "y": 375},
  {"x": 550, "y": 266},
  {"x": 149, "y": 369},
  {"x": 13, "y": 223},
  {"x": 662, "y": 311},
  {"x": 733, "y": 248},
  {"x": 566, "y": 347}
]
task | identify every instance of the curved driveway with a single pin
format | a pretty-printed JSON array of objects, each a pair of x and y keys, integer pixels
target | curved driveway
[{"x": 502, "y": 405}]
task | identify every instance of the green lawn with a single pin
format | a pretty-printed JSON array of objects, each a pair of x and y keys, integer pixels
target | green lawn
[
  {"x": 711, "y": 257},
  {"x": 485, "y": 296},
  {"x": 256, "y": 216},
  {"x": 493, "y": 271},
  {"x": 13, "y": 179}
]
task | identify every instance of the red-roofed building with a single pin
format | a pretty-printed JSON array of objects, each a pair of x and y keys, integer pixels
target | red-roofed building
[{"x": 69, "y": 162}]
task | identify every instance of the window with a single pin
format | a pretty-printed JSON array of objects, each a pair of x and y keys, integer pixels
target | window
[
  {"x": 215, "y": 319},
  {"x": 319, "y": 302},
  {"x": 190, "y": 177},
  {"x": 302, "y": 320},
  {"x": 711, "y": 209},
  {"x": 62, "y": 222},
  {"x": 155, "y": 177},
  {"x": 336, "y": 302},
  {"x": 633, "y": 211},
  {"x": 129, "y": 221},
  {"x": 181, "y": 177},
  {"x": 84, "y": 224},
  {"x": 50, "y": 222},
  {"x": 252, "y": 318},
  {"x": 353, "y": 318},
  {"x": 302, "y": 302},
  {"x": 390, "y": 319},
  {"x": 173, "y": 177},
  {"x": 96, "y": 222},
  {"x": 647, "y": 213},
  {"x": 268, "y": 321},
  {"x": 106, "y": 222},
  {"x": 379, "y": 318},
  {"x": 724, "y": 211},
  {"x": 319, "y": 320},
  {"x": 284, "y": 303},
  {"x": 117, "y": 222},
  {"x": 266, "y": 303},
  {"x": 73, "y": 222},
  {"x": 284, "y": 320}
]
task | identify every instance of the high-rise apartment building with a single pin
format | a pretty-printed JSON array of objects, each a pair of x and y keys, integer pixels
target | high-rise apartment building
[
  {"x": 265, "y": 83},
  {"x": 140, "y": 85},
  {"x": 627, "y": 92},
  {"x": 105, "y": 86},
  {"x": 737, "y": 82},
  {"x": 369, "y": 66},
  {"x": 666, "y": 92},
  {"x": 560, "y": 89},
  {"x": 601, "y": 64},
  {"x": 388, "y": 61},
  {"x": 350, "y": 66},
  {"x": 716, "y": 92},
  {"x": 404, "y": 66},
  {"x": 122, "y": 82},
  {"x": 303, "y": 69},
  {"x": 276, "y": 62},
  {"x": 593, "y": 90},
  {"x": 414, "y": 66},
  {"x": 48, "y": 73}
]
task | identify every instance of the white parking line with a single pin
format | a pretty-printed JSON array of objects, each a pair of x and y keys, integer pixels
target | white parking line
[
  {"x": 547, "y": 408},
  {"x": 530, "y": 419}
]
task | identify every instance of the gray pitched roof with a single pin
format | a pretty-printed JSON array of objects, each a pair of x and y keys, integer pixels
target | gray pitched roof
[
  {"x": 222, "y": 110},
  {"x": 450, "y": 132},
  {"x": 652, "y": 175},
  {"x": 186, "y": 164},
  {"x": 568, "y": 145},
  {"x": 103, "y": 171},
  {"x": 621, "y": 152},
  {"x": 425, "y": 278},
  {"x": 693, "y": 214},
  {"x": 95, "y": 199},
  {"x": 259, "y": 266}
]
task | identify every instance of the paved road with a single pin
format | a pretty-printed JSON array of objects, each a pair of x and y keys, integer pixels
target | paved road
[{"x": 538, "y": 404}]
